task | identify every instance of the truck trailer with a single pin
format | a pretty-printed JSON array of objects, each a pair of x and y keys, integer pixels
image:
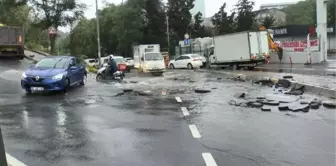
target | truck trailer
[
  {"x": 242, "y": 49},
  {"x": 11, "y": 42}
]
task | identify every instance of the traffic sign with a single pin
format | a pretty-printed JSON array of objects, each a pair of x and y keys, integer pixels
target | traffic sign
[
  {"x": 186, "y": 41},
  {"x": 52, "y": 31}
]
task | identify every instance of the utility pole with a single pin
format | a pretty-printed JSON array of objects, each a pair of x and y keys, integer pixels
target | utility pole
[
  {"x": 98, "y": 34},
  {"x": 168, "y": 40}
]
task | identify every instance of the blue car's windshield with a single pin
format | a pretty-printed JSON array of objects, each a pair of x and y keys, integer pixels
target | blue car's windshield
[{"x": 52, "y": 63}]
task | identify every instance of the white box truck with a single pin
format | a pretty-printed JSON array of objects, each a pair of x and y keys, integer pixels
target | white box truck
[
  {"x": 243, "y": 49},
  {"x": 148, "y": 59}
]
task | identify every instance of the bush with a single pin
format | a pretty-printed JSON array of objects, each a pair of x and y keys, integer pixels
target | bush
[{"x": 91, "y": 69}]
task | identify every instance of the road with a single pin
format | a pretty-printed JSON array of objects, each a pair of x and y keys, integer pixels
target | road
[{"x": 98, "y": 125}]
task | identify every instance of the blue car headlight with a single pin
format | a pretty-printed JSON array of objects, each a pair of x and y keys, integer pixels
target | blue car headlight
[
  {"x": 58, "y": 77},
  {"x": 24, "y": 75}
]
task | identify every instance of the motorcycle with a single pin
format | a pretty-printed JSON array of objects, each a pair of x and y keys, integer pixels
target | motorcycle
[{"x": 102, "y": 75}]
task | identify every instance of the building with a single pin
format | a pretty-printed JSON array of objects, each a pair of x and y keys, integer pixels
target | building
[
  {"x": 276, "y": 5},
  {"x": 199, "y": 7},
  {"x": 278, "y": 15}
]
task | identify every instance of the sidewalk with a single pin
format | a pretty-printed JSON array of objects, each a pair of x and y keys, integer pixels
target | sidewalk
[
  {"x": 321, "y": 82},
  {"x": 326, "y": 69}
]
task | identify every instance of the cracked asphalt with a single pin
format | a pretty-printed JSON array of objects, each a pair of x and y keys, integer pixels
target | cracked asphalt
[{"x": 100, "y": 125}]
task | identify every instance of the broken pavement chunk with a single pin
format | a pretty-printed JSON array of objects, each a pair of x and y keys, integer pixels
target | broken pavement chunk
[
  {"x": 283, "y": 107},
  {"x": 266, "y": 108},
  {"x": 330, "y": 104}
]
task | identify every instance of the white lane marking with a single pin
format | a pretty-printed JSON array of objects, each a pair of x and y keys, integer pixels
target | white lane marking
[
  {"x": 185, "y": 111},
  {"x": 13, "y": 161},
  {"x": 209, "y": 160},
  {"x": 194, "y": 131},
  {"x": 178, "y": 99}
]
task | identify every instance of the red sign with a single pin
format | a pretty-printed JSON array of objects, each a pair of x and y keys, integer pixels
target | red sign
[{"x": 299, "y": 44}]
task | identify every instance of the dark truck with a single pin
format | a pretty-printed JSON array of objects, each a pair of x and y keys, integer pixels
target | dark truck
[{"x": 11, "y": 42}]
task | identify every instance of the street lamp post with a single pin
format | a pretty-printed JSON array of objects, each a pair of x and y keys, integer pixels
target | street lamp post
[{"x": 98, "y": 34}]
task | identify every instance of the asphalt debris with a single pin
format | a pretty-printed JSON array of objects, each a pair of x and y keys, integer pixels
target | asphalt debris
[
  {"x": 202, "y": 90},
  {"x": 266, "y": 108},
  {"x": 330, "y": 104}
]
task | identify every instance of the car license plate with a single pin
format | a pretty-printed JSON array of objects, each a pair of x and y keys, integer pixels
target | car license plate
[{"x": 37, "y": 88}]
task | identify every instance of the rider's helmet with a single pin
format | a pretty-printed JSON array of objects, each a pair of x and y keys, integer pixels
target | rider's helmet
[{"x": 111, "y": 57}]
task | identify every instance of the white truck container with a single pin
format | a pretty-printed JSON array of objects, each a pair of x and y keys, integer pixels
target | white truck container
[
  {"x": 243, "y": 49},
  {"x": 148, "y": 58}
]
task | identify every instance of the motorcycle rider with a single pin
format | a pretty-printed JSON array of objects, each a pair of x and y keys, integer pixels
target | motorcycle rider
[{"x": 113, "y": 67}]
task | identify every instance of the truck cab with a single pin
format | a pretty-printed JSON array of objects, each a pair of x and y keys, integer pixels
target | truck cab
[
  {"x": 153, "y": 62},
  {"x": 148, "y": 59}
]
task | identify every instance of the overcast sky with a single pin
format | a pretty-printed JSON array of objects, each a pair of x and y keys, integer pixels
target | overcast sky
[{"x": 211, "y": 6}]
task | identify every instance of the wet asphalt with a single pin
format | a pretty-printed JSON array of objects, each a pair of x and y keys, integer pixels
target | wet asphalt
[{"x": 99, "y": 125}]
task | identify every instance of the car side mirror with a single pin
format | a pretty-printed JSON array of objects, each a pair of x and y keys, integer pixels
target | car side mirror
[{"x": 73, "y": 67}]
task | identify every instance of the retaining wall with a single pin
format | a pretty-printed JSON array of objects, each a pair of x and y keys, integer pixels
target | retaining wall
[{"x": 297, "y": 57}]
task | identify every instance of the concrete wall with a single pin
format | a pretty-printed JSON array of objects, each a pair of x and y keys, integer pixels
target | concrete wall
[{"x": 297, "y": 57}]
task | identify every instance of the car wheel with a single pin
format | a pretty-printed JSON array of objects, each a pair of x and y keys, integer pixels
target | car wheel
[
  {"x": 189, "y": 66},
  {"x": 99, "y": 77},
  {"x": 28, "y": 92},
  {"x": 172, "y": 66},
  {"x": 66, "y": 85},
  {"x": 84, "y": 80}
]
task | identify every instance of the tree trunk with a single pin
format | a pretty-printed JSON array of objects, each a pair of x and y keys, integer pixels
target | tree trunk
[{"x": 52, "y": 44}]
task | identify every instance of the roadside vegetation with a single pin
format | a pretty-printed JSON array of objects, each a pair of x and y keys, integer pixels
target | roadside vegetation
[{"x": 134, "y": 22}]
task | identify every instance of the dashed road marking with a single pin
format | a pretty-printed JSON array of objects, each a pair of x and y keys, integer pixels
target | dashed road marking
[
  {"x": 194, "y": 131},
  {"x": 13, "y": 161},
  {"x": 208, "y": 159},
  {"x": 185, "y": 111},
  {"x": 178, "y": 99}
]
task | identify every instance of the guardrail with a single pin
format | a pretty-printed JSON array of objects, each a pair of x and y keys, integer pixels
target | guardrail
[{"x": 3, "y": 160}]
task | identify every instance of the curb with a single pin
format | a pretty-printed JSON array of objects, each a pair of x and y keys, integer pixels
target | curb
[
  {"x": 308, "y": 88},
  {"x": 32, "y": 59},
  {"x": 39, "y": 52}
]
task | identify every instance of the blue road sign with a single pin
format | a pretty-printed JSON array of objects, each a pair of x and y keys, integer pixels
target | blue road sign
[{"x": 186, "y": 41}]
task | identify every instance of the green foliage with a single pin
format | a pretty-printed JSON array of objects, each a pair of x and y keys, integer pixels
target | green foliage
[
  {"x": 179, "y": 17},
  {"x": 198, "y": 30},
  {"x": 245, "y": 18},
  {"x": 83, "y": 39},
  {"x": 56, "y": 14},
  {"x": 223, "y": 22},
  {"x": 304, "y": 12},
  {"x": 268, "y": 22}
]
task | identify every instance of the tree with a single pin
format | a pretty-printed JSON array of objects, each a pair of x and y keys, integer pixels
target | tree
[
  {"x": 108, "y": 37},
  {"x": 56, "y": 14},
  {"x": 302, "y": 13},
  {"x": 83, "y": 39},
  {"x": 223, "y": 22},
  {"x": 198, "y": 30},
  {"x": 130, "y": 21},
  {"x": 179, "y": 17},
  {"x": 155, "y": 30},
  {"x": 268, "y": 22},
  {"x": 245, "y": 18}
]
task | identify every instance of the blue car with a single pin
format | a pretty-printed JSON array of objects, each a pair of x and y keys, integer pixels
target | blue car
[{"x": 54, "y": 73}]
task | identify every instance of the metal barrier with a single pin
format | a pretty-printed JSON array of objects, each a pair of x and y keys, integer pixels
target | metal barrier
[{"x": 3, "y": 160}]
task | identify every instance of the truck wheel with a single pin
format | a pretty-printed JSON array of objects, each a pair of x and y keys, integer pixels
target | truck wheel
[
  {"x": 236, "y": 67},
  {"x": 189, "y": 66},
  {"x": 250, "y": 68}
]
